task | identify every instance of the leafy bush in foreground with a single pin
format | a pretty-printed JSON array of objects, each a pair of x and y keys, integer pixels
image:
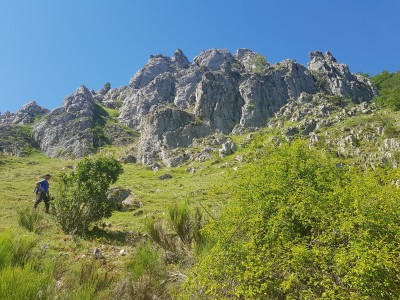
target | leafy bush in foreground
[
  {"x": 298, "y": 226},
  {"x": 82, "y": 196}
]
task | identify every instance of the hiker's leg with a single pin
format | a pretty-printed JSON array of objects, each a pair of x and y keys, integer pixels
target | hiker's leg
[
  {"x": 39, "y": 198},
  {"x": 47, "y": 203}
]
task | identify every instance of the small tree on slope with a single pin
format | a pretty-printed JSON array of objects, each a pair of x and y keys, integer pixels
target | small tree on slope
[{"x": 82, "y": 194}]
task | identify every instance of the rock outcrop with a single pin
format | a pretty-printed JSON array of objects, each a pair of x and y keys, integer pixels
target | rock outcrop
[
  {"x": 15, "y": 129},
  {"x": 78, "y": 127},
  {"x": 26, "y": 115},
  {"x": 172, "y": 102},
  {"x": 68, "y": 130},
  {"x": 334, "y": 78},
  {"x": 224, "y": 92},
  {"x": 166, "y": 127}
]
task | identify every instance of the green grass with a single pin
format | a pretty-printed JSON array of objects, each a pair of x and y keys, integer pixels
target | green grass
[{"x": 18, "y": 176}]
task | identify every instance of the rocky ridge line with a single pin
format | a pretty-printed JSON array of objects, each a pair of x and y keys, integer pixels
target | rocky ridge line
[{"x": 173, "y": 102}]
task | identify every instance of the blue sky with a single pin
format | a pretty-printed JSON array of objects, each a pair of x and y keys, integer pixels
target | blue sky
[{"x": 50, "y": 47}]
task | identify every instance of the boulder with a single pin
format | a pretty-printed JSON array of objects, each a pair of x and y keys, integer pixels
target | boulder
[
  {"x": 118, "y": 195},
  {"x": 130, "y": 204},
  {"x": 165, "y": 176},
  {"x": 227, "y": 148}
]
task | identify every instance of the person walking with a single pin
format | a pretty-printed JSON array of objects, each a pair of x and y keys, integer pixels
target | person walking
[{"x": 42, "y": 192}]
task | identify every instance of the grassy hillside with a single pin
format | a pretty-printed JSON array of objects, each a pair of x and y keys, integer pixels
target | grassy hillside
[
  {"x": 280, "y": 218},
  {"x": 124, "y": 230}
]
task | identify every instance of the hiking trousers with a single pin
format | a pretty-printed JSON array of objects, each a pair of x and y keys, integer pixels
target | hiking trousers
[{"x": 42, "y": 195}]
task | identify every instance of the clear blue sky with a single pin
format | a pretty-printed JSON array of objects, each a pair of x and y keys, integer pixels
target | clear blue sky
[{"x": 50, "y": 47}]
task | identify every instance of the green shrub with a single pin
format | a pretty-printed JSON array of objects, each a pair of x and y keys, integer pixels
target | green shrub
[
  {"x": 24, "y": 283},
  {"x": 298, "y": 227},
  {"x": 82, "y": 194},
  {"x": 91, "y": 281},
  {"x": 186, "y": 224},
  {"x": 21, "y": 275},
  {"x": 107, "y": 87},
  {"x": 258, "y": 64},
  {"x": 146, "y": 262},
  {"x": 30, "y": 220},
  {"x": 388, "y": 85}
]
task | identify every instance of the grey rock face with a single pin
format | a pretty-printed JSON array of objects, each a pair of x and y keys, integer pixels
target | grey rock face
[
  {"x": 26, "y": 115},
  {"x": 172, "y": 101},
  {"x": 162, "y": 80},
  {"x": 218, "y": 101},
  {"x": 335, "y": 78},
  {"x": 265, "y": 95},
  {"x": 113, "y": 98},
  {"x": 179, "y": 60},
  {"x": 160, "y": 90},
  {"x": 68, "y": 130},
  {"x": 167, "y": 127},
  {"x": 214, "y": 59},
  {"x": 222, "y": 92},
  {"x": 156, "y": 65},
  {"x": 79, "y": 127}
]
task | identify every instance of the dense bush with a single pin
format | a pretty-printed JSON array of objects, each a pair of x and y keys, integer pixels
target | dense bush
[
  {"x": 388, "y": 85},
  {"x": 258, "y": 64},
  {"x": 299, "y": 226},
  {"x": 82, "y": 194}
]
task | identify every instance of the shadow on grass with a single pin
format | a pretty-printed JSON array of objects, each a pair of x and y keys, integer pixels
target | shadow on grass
[
  {"x": 116, "y": 237},
  {"x": 109, "y": 236}
]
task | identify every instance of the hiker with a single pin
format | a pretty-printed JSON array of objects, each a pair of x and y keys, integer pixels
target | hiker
[{"x": 42, "y": 192}]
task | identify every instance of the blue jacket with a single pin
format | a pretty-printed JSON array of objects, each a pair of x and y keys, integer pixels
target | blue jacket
[{"x": 44, "y": 185}]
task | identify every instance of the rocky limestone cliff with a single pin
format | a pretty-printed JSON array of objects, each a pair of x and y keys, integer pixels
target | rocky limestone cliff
[
  {"x": 78, "y": 127},
  {"x": 227, "y": 93},
  {"x": 172, "y": 102},
  {"x": 68, "y": 130},
  {"x": 334, "y": 78},
  {"x": 15, "y": 129},
  {"x": 26, "y": 115}
]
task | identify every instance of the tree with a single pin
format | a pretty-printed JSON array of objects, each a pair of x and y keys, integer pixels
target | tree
[
  {"x": 82, "y": 194},
  {"x": 107, "y": 86}
]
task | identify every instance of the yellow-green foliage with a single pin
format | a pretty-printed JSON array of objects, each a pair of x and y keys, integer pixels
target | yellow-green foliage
[{"x": 299, "y": 226}]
